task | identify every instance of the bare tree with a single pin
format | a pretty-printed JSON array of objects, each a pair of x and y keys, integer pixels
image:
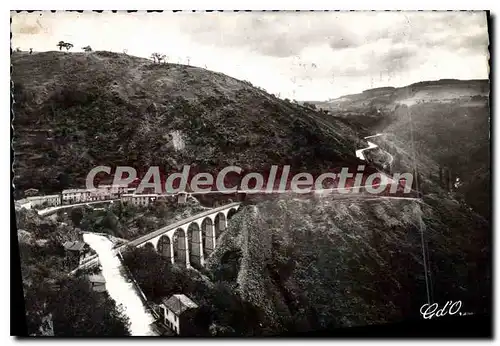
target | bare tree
[
  {"x": 160, "y": 57},
  {"x": 87, "y": 48},
  {"x": 157, "y": 57},
  {"x": 61, "y": 44},
  {"x": 68, "y": 46},
  {"x": 31, "y": 50}
]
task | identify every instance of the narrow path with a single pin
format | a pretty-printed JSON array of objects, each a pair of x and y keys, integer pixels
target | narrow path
[
  {"x": 390, "y": 197},
  {"x": 359, "y": 152},
  {"x": 371, "y": 145}
]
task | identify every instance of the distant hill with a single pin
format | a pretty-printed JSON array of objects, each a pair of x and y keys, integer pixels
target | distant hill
[
  {"x": 389, "y": 97},
  {"x": 448, "y": 121}
]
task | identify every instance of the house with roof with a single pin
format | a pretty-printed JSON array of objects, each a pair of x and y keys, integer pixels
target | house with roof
[
  {"x": 182, "y": 197},
  {"x": 46, "y": 200},
  {"x": 31, "y": 192},
  {"x": 70, "y": 196},
  {"x": 22, "y": 203},
  {"x": 97, "y": 282},
  {"x": 139, "y": 199},
  {"x": 178, "y": 313},
  {"x": 114, "y": 191}
]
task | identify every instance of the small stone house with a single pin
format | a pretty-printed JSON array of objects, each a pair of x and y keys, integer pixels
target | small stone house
[
  {"x": 140, "y": 199},
  {"x": 41, "y": 201},
  {"x": 182, "y": 198},
  {"x": 178, "y": 311},
  {"x": 114, "y": 191},
  {"x": 31, "y": 192},
  {"x": 71, "y": 196},
  {"x": 75, "y": 253}
]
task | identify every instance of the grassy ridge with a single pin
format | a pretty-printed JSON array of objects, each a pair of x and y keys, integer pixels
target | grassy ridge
[
  {"x": 440, "y": 125},
  {"x": 75, "y": 111},
  {"x": 314, "y": 264}
]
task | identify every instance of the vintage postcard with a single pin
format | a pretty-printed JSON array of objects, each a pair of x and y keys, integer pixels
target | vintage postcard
[{"x": 250, "y": 173}]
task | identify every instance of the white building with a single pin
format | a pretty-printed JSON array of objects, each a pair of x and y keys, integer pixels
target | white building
[
  {"x": 182, "y": 197},
  {"x": 114, "y": 191},
  {"x": 144, "y": 199},
  {"x": 98, "y": 195},
  {"x": 71, "y": 196},
  {"x": 48, "y": 200},
  {"x": 22, "y": 203},
  {"x": 175, "y": 309},
  {"x": 101, "y": 193}
]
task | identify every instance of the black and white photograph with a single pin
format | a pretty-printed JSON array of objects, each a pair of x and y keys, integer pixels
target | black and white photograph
[{"x": 251, "y": 173}]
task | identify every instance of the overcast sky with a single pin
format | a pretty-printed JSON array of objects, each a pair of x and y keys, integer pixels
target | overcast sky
[{"x": 303, "y": 56}]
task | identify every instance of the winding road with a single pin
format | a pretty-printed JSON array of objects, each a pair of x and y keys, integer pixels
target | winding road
[
  {"x": 359, "y": 153},
  {"x": 371, "y": 145}
]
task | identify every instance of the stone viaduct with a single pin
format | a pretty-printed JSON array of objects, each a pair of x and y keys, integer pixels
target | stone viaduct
[
  {"x": 192, "y": 239},
  {"x": 187, "y": 241}
]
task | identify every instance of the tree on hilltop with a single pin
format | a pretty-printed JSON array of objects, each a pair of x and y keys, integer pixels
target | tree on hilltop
[
  {"x": 87, "y": 48},
  {"x": 68, "y": 45},
  {"x": 61, "y": 44}
]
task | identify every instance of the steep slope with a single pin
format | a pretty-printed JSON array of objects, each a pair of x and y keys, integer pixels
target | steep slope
[
  {"x": 50, "y": 295},
  {"x": 325, "y": 263},
  {"x": 75, "y": 111},
  {"x": 443, "y": 126}
]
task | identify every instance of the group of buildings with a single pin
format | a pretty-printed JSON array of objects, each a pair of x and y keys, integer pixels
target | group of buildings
[
  {"x": 102, "y": 193},
  {"x": 176, "y": 313}
]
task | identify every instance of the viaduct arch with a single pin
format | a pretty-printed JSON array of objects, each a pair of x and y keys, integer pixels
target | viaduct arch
[{"x": 190, "y": 241}]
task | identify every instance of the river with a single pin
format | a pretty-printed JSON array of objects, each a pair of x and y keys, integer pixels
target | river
[{"x": 119, "y": 287}]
